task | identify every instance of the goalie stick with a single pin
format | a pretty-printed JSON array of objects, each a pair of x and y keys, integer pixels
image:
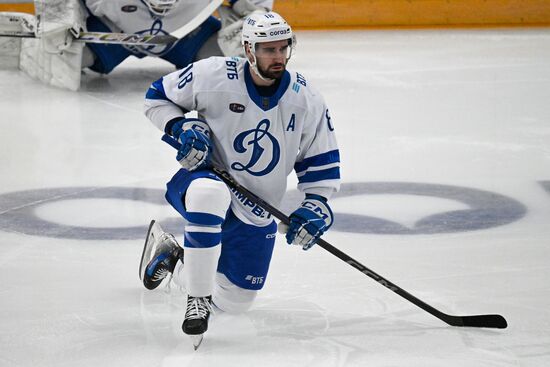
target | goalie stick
[
  {"x": 103, "y": 37},
  {"x": 198, "y": 20},
  {"x": 485, "y": 321},
  {"x": 14, "y": 19},
  {"x": 124, "y": 38}
]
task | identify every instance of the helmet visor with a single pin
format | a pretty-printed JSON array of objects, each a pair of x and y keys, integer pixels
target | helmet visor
[{"x": 275, "y": 49}]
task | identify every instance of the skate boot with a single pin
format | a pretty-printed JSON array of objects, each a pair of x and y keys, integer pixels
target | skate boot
[
  {"x": 196, "y": 318},
  {"x": 160, "y": 254}
]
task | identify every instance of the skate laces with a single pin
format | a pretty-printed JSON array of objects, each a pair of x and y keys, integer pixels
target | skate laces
[
  {"x": 160, "y": 274},
  {"x": 198, "y": 308},
  {"x": 169, "y": 247}
]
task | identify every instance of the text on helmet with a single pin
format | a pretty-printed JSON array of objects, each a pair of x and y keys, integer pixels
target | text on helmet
[{"x": 279, "y": 32}]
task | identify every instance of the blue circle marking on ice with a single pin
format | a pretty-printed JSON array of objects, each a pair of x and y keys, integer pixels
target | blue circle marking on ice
[
  {"x": 477, "y": 209},
  {"x": 18, "y": 212}
]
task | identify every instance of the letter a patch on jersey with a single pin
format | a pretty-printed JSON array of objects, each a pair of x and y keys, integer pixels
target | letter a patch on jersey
[{"x": 291, "y": 123}]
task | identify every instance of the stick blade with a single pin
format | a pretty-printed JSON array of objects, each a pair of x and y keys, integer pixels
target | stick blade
[{"x": 486, "y": 321}]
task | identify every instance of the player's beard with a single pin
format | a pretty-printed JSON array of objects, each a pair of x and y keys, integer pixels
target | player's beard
[{"x": 273, "y": 71}]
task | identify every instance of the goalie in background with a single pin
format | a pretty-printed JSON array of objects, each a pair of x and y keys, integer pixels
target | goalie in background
[
  {"x": 55, "y": 59},
  {"x": 161, "y": 17}
]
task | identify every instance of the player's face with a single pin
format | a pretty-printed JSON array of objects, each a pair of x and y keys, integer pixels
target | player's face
[{"x": 272, "y": 58}]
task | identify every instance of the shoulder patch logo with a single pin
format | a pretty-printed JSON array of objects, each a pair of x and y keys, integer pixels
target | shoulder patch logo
[
  {"x": 129, "y": 8},
  {"x": 236, "y": 107},
  {"x": 300, "y": 79}
]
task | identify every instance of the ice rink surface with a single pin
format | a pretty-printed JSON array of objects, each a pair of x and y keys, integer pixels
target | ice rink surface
[{"x": 445, "y": 147}]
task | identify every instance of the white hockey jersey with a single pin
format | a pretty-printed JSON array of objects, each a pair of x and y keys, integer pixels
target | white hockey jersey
[{"x": 258, "y": 140}]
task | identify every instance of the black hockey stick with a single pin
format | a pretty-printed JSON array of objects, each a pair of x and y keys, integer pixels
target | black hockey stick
[{"x": 486, "y": 321}]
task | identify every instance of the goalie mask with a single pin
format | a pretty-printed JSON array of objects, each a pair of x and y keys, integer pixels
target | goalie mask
[
  {"x": 160, "y": 7},
  {"x": 262, "y": 27}
]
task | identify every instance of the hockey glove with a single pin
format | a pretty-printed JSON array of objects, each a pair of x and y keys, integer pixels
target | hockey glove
[
  {"x": 245, "y": 7},
  {"x": 232, "y": 17},
  {"x": 307, "y": 223},
  {"x": 196, "y": 147}
]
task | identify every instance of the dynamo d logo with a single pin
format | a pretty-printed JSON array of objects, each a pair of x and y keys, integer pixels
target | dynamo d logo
[
  {"x": 152, "y": 50},
  {"x": 261, "y": 144}
]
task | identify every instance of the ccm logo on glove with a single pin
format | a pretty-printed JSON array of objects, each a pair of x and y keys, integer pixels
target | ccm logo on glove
[{"x": 307, "y": 223}]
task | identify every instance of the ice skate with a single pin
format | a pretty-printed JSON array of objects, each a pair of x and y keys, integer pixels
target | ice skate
[
  {"x": 160, "y": 255},
  {"x": 196, "y": 318}
]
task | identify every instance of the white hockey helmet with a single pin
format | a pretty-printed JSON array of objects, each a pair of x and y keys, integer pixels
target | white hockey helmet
[
  {"x": 160, "y": 7},
  {"x": 265, "y": 27}
]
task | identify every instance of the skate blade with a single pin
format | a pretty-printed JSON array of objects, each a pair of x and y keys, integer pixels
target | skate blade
[
  {"x": 146, "y": 252},
  {"x": 197, "y": 340},
  {"x": 152, "y": 234}
]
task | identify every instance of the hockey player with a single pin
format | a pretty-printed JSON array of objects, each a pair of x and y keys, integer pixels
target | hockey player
[
  {"x": 156, "y": 17},
  {"x": 258, "y": 121}
]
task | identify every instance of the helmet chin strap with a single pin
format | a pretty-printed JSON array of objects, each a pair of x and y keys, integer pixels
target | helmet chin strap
[{"x": 254, "y": 66}]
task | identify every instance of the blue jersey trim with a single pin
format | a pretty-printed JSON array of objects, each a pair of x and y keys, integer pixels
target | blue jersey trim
[
  {"x": 318, "y": 160},
  {"x": 316, "y": 176},
  {"x": 319, "y": 198},
  {"x": 265, "y": 103},
  {"x": 156, "y": 91}
]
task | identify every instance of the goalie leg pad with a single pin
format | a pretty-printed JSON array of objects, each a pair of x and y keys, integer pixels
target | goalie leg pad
[{"x": 53, "y": 58}]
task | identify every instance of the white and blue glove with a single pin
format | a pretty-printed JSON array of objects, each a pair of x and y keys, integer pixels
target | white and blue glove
[
  {"x": 196, "y": 147},
  {"x": 307, "y": 223}
]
